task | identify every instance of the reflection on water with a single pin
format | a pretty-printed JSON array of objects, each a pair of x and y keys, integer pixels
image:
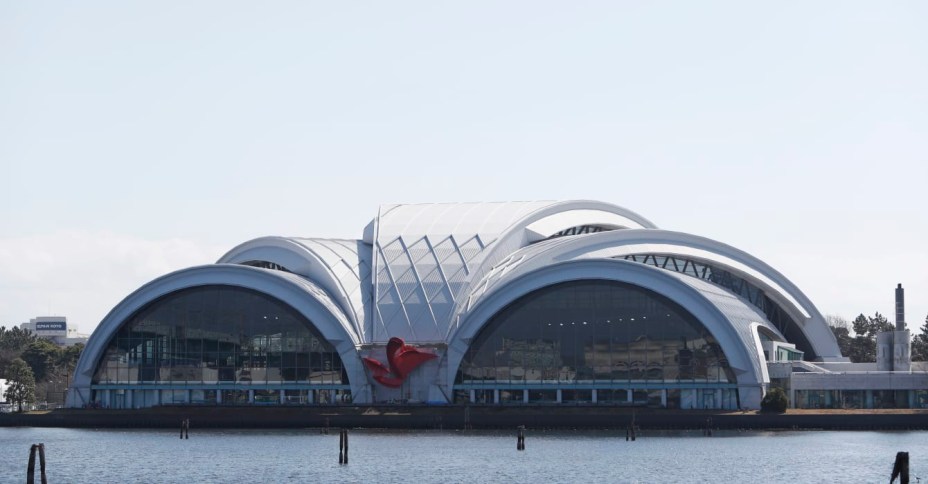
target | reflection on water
[{"x": 393, "y": 456}]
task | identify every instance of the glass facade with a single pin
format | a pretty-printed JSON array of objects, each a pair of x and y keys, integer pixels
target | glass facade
[
  {"x": 251, "y": 346},
  {"x": 737, "y": 285},
  {"x": 596, "y": 334},
  {"x": 851, "y": 399}
]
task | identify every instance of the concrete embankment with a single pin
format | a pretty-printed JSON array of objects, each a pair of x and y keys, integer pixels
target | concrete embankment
[{"x": 459, "y": 417}]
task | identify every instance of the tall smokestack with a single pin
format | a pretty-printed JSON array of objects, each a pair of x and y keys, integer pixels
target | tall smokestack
[{"x": 900, "y": 308}]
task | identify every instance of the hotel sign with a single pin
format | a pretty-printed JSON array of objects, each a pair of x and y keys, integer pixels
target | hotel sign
[{"x": 52, "y": 326}]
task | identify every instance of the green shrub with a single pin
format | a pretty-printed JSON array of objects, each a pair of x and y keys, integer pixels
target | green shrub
[{"x": 774, "y": 401}]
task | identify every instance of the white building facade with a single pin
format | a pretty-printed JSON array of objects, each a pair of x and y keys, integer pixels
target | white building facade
[
  {"x": 54, "y": 329},
  {"x": 574, "y": 302}
]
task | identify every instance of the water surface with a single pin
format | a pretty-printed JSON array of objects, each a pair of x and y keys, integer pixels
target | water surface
[{"x": 80, "y": 455}]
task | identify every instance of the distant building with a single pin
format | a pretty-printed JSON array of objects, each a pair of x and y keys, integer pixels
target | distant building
[
  {"x": 54, "y": 329},
  {"x": 893, "y": 381}
]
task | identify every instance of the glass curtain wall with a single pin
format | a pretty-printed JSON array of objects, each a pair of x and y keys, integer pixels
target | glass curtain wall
[
  {"x": 219, "y": 335},
  {"x": 594, "y": 331}
]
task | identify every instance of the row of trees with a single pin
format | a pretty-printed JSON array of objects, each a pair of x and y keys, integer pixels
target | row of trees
[
  {"x": 857, "y": 339},
  {"x": 34, "y": 366}
]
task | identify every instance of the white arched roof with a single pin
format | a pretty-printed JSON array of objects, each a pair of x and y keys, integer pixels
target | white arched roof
[
  {"x": 730, "y": 320},
  {"x": 617, "y": 244},
  {"x": 341, "y": 267},
  {"x": 293, "y": 290},
  {"x": 425, "y": 257}
]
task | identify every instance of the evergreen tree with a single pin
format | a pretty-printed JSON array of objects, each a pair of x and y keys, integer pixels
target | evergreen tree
[
  {"x": 67, "y": 357},
  {"x": 842, "y": 331},
  {"x": 21, "y": 383},
  {"x": 920, "y": 344},
  {"x": 12, "y": 344},
  {"x": 863, "y": 344},
  {"x": 41, "y": 355}
]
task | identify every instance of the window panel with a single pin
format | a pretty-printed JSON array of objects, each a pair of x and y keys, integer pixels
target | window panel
[
  {"x": 593, "y": 331},
  {"x": 218, "y": 333}
]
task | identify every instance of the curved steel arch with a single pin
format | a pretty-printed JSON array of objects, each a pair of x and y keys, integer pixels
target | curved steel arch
[
  {"x": 749, "y": 368},
  {"x": 294, "y": 291},
  {"x": 297, "y": 257},
  {"x": 537, "y": 226},
  {"x": 628, "y": 242}
]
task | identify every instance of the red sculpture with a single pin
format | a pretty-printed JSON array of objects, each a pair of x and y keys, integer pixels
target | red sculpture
[{"x": 402, "y": 358}]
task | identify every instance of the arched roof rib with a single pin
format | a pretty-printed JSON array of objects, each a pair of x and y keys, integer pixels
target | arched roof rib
[
  {"x": 722, "y": 276},
  {"x": 291, "y": 289},
  {"x": 424, "y": 254},
  {"x": 730, "y": 320},
  {"x": 341, "y": 267},
  {"x": 426, "y": 257},
  {"x": 627, "y": 242}
]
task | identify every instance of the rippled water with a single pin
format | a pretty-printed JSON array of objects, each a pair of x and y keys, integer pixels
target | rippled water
[{"x": 476, "y": 456}]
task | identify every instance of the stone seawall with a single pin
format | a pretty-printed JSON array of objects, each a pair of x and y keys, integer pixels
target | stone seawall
[{"x": 459, "y": 417}]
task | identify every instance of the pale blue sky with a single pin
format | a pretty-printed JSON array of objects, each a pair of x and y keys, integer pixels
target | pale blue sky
[{"x": 138, "y": 138}]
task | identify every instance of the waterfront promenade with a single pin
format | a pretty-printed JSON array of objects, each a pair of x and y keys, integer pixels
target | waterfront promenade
[{"x": 460, "y": 417}]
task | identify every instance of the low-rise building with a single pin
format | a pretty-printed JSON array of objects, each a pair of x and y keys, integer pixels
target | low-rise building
[{"x": 55, "y": 329}]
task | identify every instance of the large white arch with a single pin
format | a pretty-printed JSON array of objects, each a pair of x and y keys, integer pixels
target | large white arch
[
  {"x": 426, "y": 256},
  {"x": 293, "y": 290},
  {"x": 538, "y": 225},
  {"x": 340, "y": 267},
  {"x": 621, "y": 243},
  {"x": 731, "y": 328}
]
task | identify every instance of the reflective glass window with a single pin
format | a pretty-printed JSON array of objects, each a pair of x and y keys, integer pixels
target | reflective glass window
[
  {"x": 212, "y": 334},
  {"x": 594, "y": 331}
]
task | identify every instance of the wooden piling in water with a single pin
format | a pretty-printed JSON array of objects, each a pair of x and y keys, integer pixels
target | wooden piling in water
[
  {"x": 632, "y": 430},
  {"x": 30, "y": 468},
  {"x": 45, "y": 481},
  {"x": 520, "y": 438},
  {"x": 901, "y": 468},
  {"x": 343, "y": 446}
]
